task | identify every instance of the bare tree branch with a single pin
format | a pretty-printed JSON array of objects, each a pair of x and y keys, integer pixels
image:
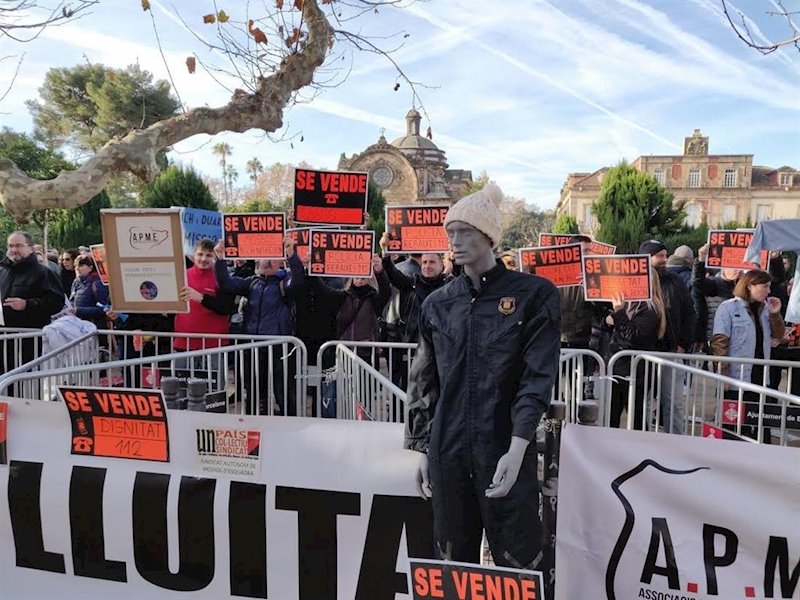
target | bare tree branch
[
  {"x": 20, "y": 20},
  {"x": 742, "y": 30}
]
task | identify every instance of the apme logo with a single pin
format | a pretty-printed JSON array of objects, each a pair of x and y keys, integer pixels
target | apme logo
[
  {"x": 143, "y": 238},
  {"x": 667, "y": 551}
]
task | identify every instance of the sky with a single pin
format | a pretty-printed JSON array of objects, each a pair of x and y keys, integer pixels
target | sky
[{"x": 527, "y": 90}]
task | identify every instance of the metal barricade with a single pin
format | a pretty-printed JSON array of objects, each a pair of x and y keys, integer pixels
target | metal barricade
[
  {"x": 581, "y": 376},
  {"x": 363, "y": 392},
  {"x": 265, "y": 374},
  {"x": 702, "y": 396},
  {"x": 19, "y": 346}
]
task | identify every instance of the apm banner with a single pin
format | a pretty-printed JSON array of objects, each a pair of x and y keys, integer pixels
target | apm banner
[
  {"x": 246, "y": 507},
  {"x": 670, "y": 517}
]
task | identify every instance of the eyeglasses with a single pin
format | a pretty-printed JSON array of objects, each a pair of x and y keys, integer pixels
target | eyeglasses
[{"x": 10, "y": 246}]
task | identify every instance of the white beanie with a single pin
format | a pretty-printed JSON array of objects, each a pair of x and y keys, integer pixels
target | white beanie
[{"x": 481, "y": 210}]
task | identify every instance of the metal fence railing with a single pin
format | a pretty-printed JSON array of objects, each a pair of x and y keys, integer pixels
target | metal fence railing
[{"x": 363, "y": 392}]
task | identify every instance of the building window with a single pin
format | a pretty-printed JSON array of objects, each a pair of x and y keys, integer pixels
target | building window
[
  {"x": 728, "y": 213},
  {"x": 762, "y": 212},
  {"x": 730, "y": 178},
  {"x": 786, "y": 179},
  {"x": 661, "y": 177},
  {"x": 692, "y": 215},
  {"x": 588, "y": 218},
  {"x": 694, "y": 178}
]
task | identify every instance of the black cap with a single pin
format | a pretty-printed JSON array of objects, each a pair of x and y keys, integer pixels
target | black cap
[{"x": 651, "y": 247}]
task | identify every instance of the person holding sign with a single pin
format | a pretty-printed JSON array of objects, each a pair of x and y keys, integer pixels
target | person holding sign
[
  {"x": 270, "y": 294},
  {"x": 480, "y": 382}
]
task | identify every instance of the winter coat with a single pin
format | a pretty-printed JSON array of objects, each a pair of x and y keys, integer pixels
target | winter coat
[
  {"x": 707, "y": 294},
  {"x": 210, "y": 315},
  {"x": 576, "y": 316},
  {"x": 682, "y": 268},
  {"x": 87, "y": 292},
  {"x": 399, "y": 301},
  {"x": 680, "y": 313},
  {"x": 485, "y": 365},
  {"x": 66, "y": 277},
  {"x": 269, "y": 299},
  {"x": 413, "y": 292},
  {"x": 637, "y": 330},
  {"x": 37, "y": 284}
]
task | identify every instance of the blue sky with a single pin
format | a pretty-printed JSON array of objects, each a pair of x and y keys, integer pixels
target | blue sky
[{"x": 527, "y": 90}]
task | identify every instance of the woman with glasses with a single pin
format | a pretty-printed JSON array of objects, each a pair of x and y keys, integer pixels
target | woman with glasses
[{"x": 66, "y": 268}]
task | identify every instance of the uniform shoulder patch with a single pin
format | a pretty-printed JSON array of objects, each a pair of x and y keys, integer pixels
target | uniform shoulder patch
[{"x": 507, "y": 306}]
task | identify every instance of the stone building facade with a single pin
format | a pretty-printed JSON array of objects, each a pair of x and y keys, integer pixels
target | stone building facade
[
  {"x": 717, "y": 188},
  {"x": 411, "y": 169}
]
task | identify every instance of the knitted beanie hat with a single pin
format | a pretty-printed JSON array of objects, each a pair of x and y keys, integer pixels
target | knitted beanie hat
[
  {"x": 651, "y": 247},
  {"x": 481, "y": 210}
]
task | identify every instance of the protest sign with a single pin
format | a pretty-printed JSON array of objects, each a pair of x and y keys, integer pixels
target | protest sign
[
  {"x": 329, "y": 198},
  {"x": 416, "y": 229},
  {"x": 99, "y": 257},
  {"x": 3, "y": 433},
  {"x": 144, "y": 259},
  {"x": 562, "y": 265},
  {"x": 628, "y": 274},
  {"x": 117, "y": 422},
  {"x": 727, "y": 248},
  {"x": 199, "y": 224},
  {"x": 448, "y": 580},
  {"x": 340, "y": 253},
  {"x": 301, "y": 238},
  {"x": 254, "y": 235},
  {"x": 554, "y": 239},
  {"x": 601, "y": 248}
]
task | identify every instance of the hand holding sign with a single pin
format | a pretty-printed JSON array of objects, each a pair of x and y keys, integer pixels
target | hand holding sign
[
  {"x": 219, "y": 250},
  {"x": 618, "y": 301},
  {"x": 377, "y": 264},
  {"x": 192, "y": 294},
  {"x": 384, "y": 241}
]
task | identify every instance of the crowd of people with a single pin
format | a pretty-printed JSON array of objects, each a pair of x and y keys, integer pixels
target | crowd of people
[{"x": 730, "y": 313}]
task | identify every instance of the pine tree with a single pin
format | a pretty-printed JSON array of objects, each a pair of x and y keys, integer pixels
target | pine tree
[{"x": 176, "y": 186}]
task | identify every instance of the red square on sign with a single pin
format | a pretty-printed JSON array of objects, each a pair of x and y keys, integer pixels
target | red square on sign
[
  {"x": 750, "y": 591},
  {"x": 691, "y": 587}
]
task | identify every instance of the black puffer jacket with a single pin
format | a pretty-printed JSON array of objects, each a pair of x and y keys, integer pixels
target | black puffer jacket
[
  {"x": 704, "y": 289},
  {"x": 485, "y": 365},
  {"x": 37, "y": 284},
  {"x": 680, "y": 313}
]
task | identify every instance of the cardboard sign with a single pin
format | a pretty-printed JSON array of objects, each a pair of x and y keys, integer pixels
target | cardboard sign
[
  {"x": 3, "y": 433},
  {"x": 747, "y": 413},
  {"x": 562, "y": 265},
  {"x": 446, "y": 580},
  {"x": 117, "y": 422},
  {"x": 416, "y": 229},
  {"x": 99, "y": 257},
  {"x": 605, "y": 276},
  {"x": 199, "y": 224},
  {"x": 340, "y": 253},
  {"x": 329, "y": 198},
  {"x": 301, "y": 238},
  {"x": 554, "y": 239},
  {"x": 254, "y": 235},
  {"x": 144, "y": 259},
  {"x": 602, "y": 249},
  {"x": 726, "y": 250}
]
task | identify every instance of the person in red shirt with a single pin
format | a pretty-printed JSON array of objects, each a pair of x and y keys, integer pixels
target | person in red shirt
[{"x": 209, "y": 310}]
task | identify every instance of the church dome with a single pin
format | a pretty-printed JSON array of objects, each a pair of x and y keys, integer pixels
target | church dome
[{"x": 412, "y": 140}]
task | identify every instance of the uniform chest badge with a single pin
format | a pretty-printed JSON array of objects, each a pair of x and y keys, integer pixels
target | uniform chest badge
[{"x": 508, "y": 305}]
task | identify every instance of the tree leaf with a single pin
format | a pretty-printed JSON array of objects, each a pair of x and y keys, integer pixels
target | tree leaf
[
  {"x": 190, "y": 63},
  {"x": 145, "y": 4},
  {"x": 259, "y": 36},
  {"x": 279, "y": 4},
  {"x": 327, "y": 1},
  {"x": 207, "y": 19},
  {"x": 222, "y": 16},
  {"x": 298, "y": 4}
]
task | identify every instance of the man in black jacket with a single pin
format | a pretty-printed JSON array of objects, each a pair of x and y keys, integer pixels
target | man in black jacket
[
  {"x": 678, "y": 339},
  {"x": 31, "y": 294},
  {"x": 480, "y": 382}
]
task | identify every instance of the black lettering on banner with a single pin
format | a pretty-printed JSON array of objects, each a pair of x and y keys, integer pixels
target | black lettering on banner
[
  {"x": 206, "y": 441},
  {"x": 316, "y": 535},
  {"x": 778, "y": 558},
  {"x": 247, "y": 526},
  {"x": 378, "y": 579},
  {"x": 86, "y": 526},
  {"x": 711, "y": 560},
  {"x": 195, "y": 531},
  {"x": 24, "y": 506},
  {"x": 659, "y": 533}
]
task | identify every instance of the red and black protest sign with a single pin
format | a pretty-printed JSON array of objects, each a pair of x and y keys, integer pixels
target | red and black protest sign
[
  {"x": 254, "y": 235},
  {"x": 301, "y": 238},
  {"x": 628, "y": 274},
  {"x": 726, "y": 250},
  {"x": 3, "y": 433},
  {"x": 562, "y": 265},
  {"x": 554, "y": 239},
  {"x": 602, "y": 249},
  {"x": 329, "y": 198},
  {"x": 340, "y": 253},
  {"x": 416, "y": 229},
  {"x": 99, "y": 257},
  {"x": 463, "y": 581},
  {"x": 117, "y": 423}
]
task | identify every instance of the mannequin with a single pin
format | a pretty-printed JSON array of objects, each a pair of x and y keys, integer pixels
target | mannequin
[{"x": 480, "y": 383}]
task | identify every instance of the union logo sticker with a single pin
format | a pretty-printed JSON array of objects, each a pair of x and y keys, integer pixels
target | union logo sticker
[{"x": 508, "y": 305}]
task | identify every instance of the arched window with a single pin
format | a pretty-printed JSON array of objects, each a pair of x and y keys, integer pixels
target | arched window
[{"x": 693, "y": 215}]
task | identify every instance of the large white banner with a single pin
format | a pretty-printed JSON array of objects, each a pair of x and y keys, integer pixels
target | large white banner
[
  {"x": 667, "y": 517},
  {"x": 278, "y": 508}
]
